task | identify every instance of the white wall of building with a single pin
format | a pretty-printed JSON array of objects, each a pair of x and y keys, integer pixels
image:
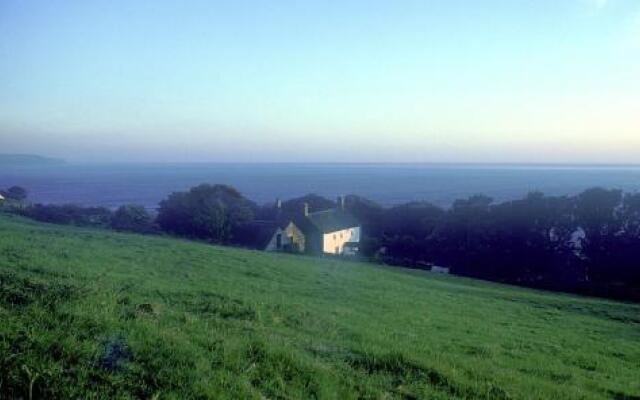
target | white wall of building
[{"x": 333, "y": 242}]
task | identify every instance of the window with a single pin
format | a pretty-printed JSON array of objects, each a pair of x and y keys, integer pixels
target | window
[
  {"x": 337, "y": 249},
  {"x": 334, "y": 236},
  {"x": 340, "y": 235}
]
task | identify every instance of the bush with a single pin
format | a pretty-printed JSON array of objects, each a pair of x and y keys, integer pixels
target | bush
[
  {"x": 68, "y": 214},
  {"x": 132, "y": 218}
]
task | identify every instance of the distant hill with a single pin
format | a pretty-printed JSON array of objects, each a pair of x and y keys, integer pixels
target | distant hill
[
  {"x": 27, "y": 160},
  {"x": 95, "y": 314}
]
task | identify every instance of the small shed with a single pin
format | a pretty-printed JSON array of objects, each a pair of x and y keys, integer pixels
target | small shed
[{"x": 439, "y": 269}]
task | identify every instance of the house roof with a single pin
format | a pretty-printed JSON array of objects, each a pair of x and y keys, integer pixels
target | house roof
[
  {"x": 257, "y": 234},
  {"x": 327, "y": 221},
  {"x": 1, "y": 197}
]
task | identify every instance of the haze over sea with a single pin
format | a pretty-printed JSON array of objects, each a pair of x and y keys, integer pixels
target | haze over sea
[{"x": 111, "y": 185}]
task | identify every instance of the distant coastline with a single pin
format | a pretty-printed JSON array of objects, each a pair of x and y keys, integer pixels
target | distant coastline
[
  {"x": 18, "y": 160},
  {"x": 29, "y": 160},
  {"x": 356, "y": 164}
]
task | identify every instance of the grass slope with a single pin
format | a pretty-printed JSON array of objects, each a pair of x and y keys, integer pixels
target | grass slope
[{"x": 94, "y": 314}]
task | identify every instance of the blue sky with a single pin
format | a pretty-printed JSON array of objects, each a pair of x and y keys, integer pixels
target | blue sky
[{"x": 335, "y": 81}]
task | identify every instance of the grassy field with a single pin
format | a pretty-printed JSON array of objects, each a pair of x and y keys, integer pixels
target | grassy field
[{"x": 93, "y": 314}]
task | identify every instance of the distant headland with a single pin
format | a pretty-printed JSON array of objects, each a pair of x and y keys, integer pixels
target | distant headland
[{"x": 10, "y": 160}]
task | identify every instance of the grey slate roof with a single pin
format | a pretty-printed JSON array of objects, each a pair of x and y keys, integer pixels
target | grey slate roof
[
  {"x": 327, "y": 221},
  {"x": 257, "y": 234}
]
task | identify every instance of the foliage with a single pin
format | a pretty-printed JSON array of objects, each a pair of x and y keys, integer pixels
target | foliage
[
  {"x": 132, "y": 218},
  {"x": 211, "y": 212},
  {"x": 69, "y": 214},
  {"x": 17, "y": 193},
  {"x": 588, "y": 243},
  {"x": 91, "y": 314},
  {"x": 368, "y": 212}
]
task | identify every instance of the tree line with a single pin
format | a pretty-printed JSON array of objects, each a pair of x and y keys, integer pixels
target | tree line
[{"x": 588, "y": 243}]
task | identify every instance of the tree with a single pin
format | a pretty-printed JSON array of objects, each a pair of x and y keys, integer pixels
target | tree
[
  {"x": 461, "y": 239},
  {"x": 132, "y": 218},
  {"x": 530, "y": 239},
  {"x": 406, "y": 228},
  {"x": 17, "y": 193},
  {"x": 210, "y": 212},
  {"x": 624, "y": 265},
  {"x": 369, "y": 213},
  {"x": 631, "y": 215},
  {"x": 596, "y": 215}
]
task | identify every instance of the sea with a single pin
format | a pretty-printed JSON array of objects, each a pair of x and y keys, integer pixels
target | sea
[{"x": 111, "y": 185}]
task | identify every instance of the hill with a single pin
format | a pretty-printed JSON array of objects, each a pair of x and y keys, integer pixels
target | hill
[{"x": 94, "y": 314}]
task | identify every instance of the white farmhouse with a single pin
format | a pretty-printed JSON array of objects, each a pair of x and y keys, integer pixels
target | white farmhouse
[{"x": 333, "y": 231}]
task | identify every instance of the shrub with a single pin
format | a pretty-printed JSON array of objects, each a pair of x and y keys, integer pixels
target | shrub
[{"x": 132, "y": 218}]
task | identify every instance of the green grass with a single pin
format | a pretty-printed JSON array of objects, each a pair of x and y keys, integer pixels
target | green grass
[{"x": 94, "y": 314}]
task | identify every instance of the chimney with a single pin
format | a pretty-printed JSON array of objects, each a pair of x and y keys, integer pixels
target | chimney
[
  {"x": 278, "y": 204},
  {"x": 306, "y": 209},
  {"x": 340, "y": 203}
]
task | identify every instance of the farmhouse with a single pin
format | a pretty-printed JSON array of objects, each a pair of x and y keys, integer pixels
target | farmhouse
[{"x": 333, "y": 231}]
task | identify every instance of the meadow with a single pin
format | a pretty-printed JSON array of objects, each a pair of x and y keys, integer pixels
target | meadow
[{"x": 86, "y": 313}]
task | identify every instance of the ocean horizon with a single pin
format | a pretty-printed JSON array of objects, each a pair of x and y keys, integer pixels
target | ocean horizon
[{"x": 147, "y": 183}]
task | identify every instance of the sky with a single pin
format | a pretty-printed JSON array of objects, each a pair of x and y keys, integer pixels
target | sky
[{"x": 542, "y": 81}]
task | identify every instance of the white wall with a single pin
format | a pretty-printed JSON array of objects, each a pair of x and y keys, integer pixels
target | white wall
[{"x": 337, "y": 239}]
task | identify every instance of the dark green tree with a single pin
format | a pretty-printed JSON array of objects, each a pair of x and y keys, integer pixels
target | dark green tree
[
  {"x": 132, "y": 218},
  {"x": 210, "y": 212},
  {"x": 17, "y": 193},
  {"x": 596, "y": 213}
]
